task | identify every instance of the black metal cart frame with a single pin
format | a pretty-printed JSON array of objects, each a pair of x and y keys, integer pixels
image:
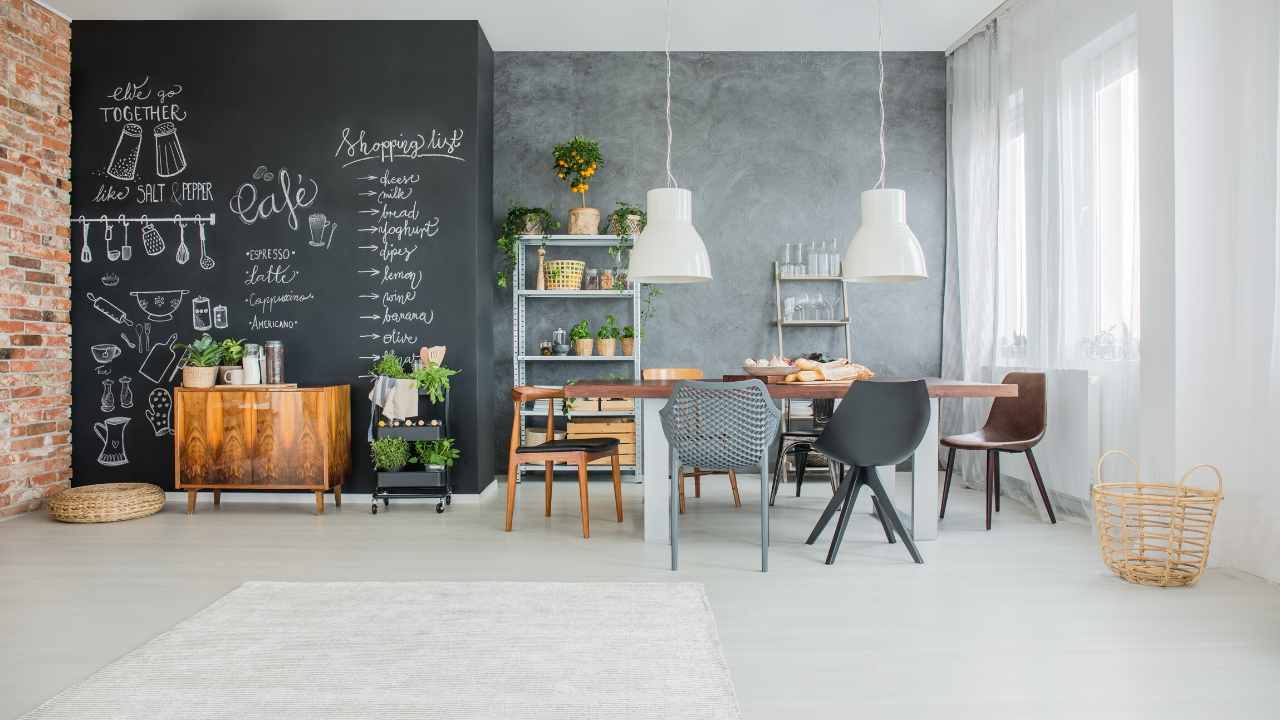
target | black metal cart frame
[{"x": 426, "y": 483}]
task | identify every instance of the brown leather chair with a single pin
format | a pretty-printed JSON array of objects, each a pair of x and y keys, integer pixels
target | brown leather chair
[
  {"x": 575, "y": 451},
  {"x": 691, "y": 374},
  {"x": 1014, "y": 425}
]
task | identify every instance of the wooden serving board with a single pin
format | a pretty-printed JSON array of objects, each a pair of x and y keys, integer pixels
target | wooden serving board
[{"x": 259, "y": 386}]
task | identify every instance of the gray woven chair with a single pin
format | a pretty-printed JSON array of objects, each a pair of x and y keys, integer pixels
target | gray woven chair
[{"x": 722, "y": 425}]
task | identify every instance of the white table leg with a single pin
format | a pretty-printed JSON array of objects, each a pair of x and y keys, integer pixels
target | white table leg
[
  {"x": 657, "y": 476},
  {"x": 923, "y": 522}
]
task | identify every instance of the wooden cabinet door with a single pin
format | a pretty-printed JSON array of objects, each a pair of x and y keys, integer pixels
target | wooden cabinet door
[
  {"x": 215, "y": 438},
  {"x": 289, "y": 447}
]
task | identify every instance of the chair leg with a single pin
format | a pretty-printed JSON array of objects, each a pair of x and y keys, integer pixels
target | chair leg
[
  {"x": 778, "y": 469},
  {"x": 673, "y": 520},
  {"x": 583, "y": 501},
  {"x": 995, "y": 459},
  {"x": 846, "y": 513},
  {"x": 990, "y": 462},
  {"x": 946, "y": 484},
  {"x": 697, "y": 483},
  {"x": 833, "y": 473},
  {"x": 764, "y": 509},
  {"x": 733, "y": 485},
  {"x": 842, "y": 493},
  {"x": 681, "y": 492},
  {"x": 1044, "y": 495},
  {"x": 886, "y": 507},
  {"x": 549, "y": 476},
  {"x": 802, "y": 459},
  {"x": 511, "y": 490},
  {"x": 617, "y": 484},
  {"x": 884, "y": 522}
]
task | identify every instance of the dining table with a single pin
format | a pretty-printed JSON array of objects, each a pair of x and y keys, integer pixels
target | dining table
[{"x": 920, "y": 518}]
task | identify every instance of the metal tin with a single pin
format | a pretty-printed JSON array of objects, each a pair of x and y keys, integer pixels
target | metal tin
[{"x": 273, "y": 352}]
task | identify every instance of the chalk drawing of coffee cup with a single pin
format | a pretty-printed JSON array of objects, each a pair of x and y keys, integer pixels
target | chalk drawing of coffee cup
[{"x": 321, "y": 230}]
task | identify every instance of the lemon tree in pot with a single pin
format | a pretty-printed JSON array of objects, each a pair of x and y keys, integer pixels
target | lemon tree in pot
[
  {"x": 201, "y": 362},
  {"x": 607, "y": 336},
  {"x": 580, "y": 336},
  {"x": 576, "y": 163}
]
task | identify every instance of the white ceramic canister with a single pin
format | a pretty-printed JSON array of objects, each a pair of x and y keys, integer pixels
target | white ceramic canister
[{"x": 252, "y": 364}]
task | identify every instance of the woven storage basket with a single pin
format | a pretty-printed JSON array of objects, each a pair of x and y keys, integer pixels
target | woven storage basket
[
  {"x": 108, "y": 502},
  {"x": 565, "y": 274},
  {"x": 1155, "y": 533}
]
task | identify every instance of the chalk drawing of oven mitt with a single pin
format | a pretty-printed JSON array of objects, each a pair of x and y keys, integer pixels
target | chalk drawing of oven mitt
[
  {"x": 152, "y": 242},
  {"x": 159, "y": 412},
  {"x": 124, "y": 161},
  {"x": 169, "y": 158}
]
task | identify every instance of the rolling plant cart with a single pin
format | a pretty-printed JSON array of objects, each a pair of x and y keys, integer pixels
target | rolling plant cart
[{"x": 423, "y": 483}]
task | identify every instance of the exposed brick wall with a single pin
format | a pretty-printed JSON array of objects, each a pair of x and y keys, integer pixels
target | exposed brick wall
[{"x": 35, "y": 279}]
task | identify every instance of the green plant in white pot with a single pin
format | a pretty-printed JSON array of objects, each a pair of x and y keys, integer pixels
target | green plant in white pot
[{"x": 202, "y": 360}]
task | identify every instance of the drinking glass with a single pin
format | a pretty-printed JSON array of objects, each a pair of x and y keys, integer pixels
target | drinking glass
[
  {"x": 811, "y": 264},
  {"x": 836, "y": 259},
  {"x": 788, "y": 309}
]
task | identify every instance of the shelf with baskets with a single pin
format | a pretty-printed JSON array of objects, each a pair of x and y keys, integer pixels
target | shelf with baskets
[{"x": 524, "y": 348}]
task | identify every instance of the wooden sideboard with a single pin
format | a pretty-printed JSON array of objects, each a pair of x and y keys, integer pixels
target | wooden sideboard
[{"x": 262, "y": 439}]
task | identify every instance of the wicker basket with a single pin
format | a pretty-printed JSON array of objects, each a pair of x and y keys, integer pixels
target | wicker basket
[
  {"x": 1155, "y": 533},
  {"x": 108, "y": 502},
  {"x": 565, "y": 274}
]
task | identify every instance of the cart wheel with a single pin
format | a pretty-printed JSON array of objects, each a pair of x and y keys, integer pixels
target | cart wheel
[
  {"x": 448, "y": 499},
  {"x": 386, "y": 502},
  {"x": 374, "y": 508},
  {"x": 439, "y": 507}
]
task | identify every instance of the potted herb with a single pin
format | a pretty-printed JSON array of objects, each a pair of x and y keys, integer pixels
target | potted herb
[
  {"x": 607, "y": 336},
  {"x": 434, "y": 378},
  {"x": 576, "y": 162},
  {"x": 436, "y": 454},
  {"x": 232, "y": 355},
  {"x": 389, "y": 365},
  {"x": 628, "y": 339},
  {"x": 202, "y": 359},
  {"x": 390, "y": 454},
  {"x": 627, "y": 221},
  {"x": 521, "y": 220},
  {"x": 580, "y": 336}
]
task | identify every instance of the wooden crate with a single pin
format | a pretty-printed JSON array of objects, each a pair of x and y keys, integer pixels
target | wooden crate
[
  {"x": 602, "y": 427},
  {"x": 617, "y": 404},
  {"x": 537, "y": 436},
  {"x": 623, "y": 459}
]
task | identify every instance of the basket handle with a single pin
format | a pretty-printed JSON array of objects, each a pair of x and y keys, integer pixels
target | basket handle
[
  {"x": 1137, "y": 469},
  {"x": 1188, "y": 473}
]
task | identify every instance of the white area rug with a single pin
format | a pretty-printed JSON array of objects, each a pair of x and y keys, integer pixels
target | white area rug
[{"x": 424, "y": 650}]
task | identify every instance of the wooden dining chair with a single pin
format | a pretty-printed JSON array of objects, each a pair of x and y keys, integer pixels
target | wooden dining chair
[
  {"x": 692, "y": 374},
  {"x": 1014, "y": 425},
  {"x": 578, "y": 452}
]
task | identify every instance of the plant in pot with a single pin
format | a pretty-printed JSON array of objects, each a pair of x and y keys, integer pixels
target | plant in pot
[
  {"x": 576, "y": 162},
  {"x": 389, "y": 365},
  {"x": 202, "y": 358},
  {"x": 232, "y": 356},
  {"x": 434, "y": 378},
  {"x": 580, "y": 336},
  {"x": 521, "y": 220},
  {"x": 628, "y": 338},
  {"x": 390, "y": 454},
  {"x": 607, "y": 336},
  {"x": 436, "y": 454}
]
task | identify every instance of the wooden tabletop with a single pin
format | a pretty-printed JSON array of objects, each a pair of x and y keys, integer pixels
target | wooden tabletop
[{"x": 938, "y": 388}]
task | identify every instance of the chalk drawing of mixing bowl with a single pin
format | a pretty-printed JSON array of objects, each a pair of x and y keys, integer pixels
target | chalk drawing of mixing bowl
[{"x": 159, "y": 305}]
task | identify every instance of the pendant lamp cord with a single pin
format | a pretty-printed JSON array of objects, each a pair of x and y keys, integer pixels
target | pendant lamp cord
[
  {"x": 880, "y": 55},
  {"x": 671, "y": 179}
]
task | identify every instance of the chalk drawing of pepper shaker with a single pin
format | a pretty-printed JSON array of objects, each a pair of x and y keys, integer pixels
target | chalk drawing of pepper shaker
[
  {"x": 108, "y": 402},
  {"x": 124, "y": 161},
  {"x": 126, "y": 392},
  {"x": 169, "y": 158}
]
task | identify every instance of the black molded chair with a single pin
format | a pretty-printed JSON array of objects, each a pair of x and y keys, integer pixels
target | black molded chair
[{"x": 879, "y": 423}]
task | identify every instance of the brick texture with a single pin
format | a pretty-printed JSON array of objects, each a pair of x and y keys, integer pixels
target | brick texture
[{"x": 35, "y": 269}]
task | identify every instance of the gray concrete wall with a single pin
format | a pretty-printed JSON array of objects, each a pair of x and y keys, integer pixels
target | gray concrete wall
[{"x": 776, "y": 148}]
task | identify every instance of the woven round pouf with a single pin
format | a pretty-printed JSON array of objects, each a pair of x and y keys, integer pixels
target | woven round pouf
[{"x": 108, "y": 502}]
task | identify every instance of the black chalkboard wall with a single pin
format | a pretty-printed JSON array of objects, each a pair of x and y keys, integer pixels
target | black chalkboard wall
[{"x": 348, "y": 169}]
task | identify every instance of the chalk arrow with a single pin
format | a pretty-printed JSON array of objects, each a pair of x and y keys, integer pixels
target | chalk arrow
[
  {"x": 366, "y": 357},
  {"x": 370, "y": 317},
  {"x": 373, "y": 272},
  {"x": 368, "y": 193},
  {"x": 369, "y": 296},
  {"x": 368, "y": 177},
  {"x": 370, "y": 212},
  {"x": 365, "y": 376},
  {"x": 371, "y": 229},
  {"x": 371, "y": 336},
  {"x": 366, "y": 247}
]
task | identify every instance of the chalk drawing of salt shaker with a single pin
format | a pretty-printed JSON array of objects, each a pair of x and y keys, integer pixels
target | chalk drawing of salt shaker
[
  {"x": 108, "y": 401},
  {"x": 124, "y": 161},
  {"x": 201, "y": 314},
  {"x": 169, "y": 158},
  {"x": 126, "y": 392}
]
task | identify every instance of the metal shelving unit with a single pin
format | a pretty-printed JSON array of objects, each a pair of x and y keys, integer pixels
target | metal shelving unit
[
  {"x": 778, "y": 322},
  {"x": 521, "y": 296}
]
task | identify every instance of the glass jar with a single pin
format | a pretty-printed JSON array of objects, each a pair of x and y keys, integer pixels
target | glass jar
[
  {"x": 252, "y": 364},
  {"x": 591, "y": 280}
]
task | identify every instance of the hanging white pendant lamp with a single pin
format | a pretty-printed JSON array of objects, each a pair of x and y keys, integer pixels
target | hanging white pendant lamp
[
  {"x": 884, "y": 249},
  {"x": 669, "y": 249}
]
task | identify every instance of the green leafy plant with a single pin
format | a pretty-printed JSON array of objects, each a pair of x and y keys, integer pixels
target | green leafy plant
[
  {"x": 628, "y": 332},
  {"x": 509, "y": 232},
  {"x": 610, "y": 329},
  {"x": 618, "y": 225},
  {"x": 204, "y": 352},
  {"x": 646, "y": 308},
  {"x": 389, "y": 365},
  {"x": 232, "y": 351},
  {"x": 580, "y": 331},
  {"x": 434, "y": 379},
  {"x": 390, "y": 454},
  {"x": 436, "y": 452},
  {"x": 577, "y": 161}
]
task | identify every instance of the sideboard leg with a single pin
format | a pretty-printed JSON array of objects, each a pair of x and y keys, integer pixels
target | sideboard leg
[
  {"x": 217, "y": 498},
  {"x": 191, "y": 502},
  {"x": 337, "y": 496},
  {"x": 319, "y": 502}
]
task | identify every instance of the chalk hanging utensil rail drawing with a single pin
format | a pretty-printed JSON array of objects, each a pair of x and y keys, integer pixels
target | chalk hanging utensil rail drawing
[
  {"x": 126, "y": 250},
  {"x": 183, "y": 254},
  {"x": 170, "y": 159},
  {"x": 124, "y": 160},
  {"x": 112, "y": 255},
  {"x": 206, "y": 262},
  {"x": 152, "y": 240},
  {"x": 86, "y": 255}
]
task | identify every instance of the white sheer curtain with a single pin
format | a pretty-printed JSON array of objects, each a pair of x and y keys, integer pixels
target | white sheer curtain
[{"x": 1043, "y": 244}]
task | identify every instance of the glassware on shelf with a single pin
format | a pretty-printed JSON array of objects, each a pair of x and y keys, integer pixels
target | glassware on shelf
[
  {"x": 789, "y": 309},
  {"x": 812, "y": 259},
  {"x": 836, "y": 258},
  {"x": 591, "y": 280}
]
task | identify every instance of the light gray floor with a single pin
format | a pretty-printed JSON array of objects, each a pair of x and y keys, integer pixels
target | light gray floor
[{"x": 1020, "y": 622}]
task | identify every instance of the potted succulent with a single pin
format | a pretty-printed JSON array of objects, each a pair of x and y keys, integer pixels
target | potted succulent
[
  {"x": 390, "y": 454},
  {"x": 202, "y": 359},
  {"x": 436, "y": 454},
  {"x": 576, "y": 163},
  {"x": 607, "y": 336},
  {"x": 580, "y": 336},
  {"x": 232, "y": 356},
  {"x": 628, "y": 338},
  {"x": 521, "y": 220}
]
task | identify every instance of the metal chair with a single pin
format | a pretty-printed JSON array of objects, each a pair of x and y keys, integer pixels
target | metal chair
[
  {"x": 796, "y": 440},
  {"x": 692, "y": 374},
  {"x": 723, "y": 425},
  {"x": 576, "y": 451},
  {"x": 879, "y": 423},
  {"x": 1014, "y": 425}
]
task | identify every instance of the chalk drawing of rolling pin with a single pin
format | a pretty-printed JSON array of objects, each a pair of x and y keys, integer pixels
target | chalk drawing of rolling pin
[{"x": 108, "y": 308}]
